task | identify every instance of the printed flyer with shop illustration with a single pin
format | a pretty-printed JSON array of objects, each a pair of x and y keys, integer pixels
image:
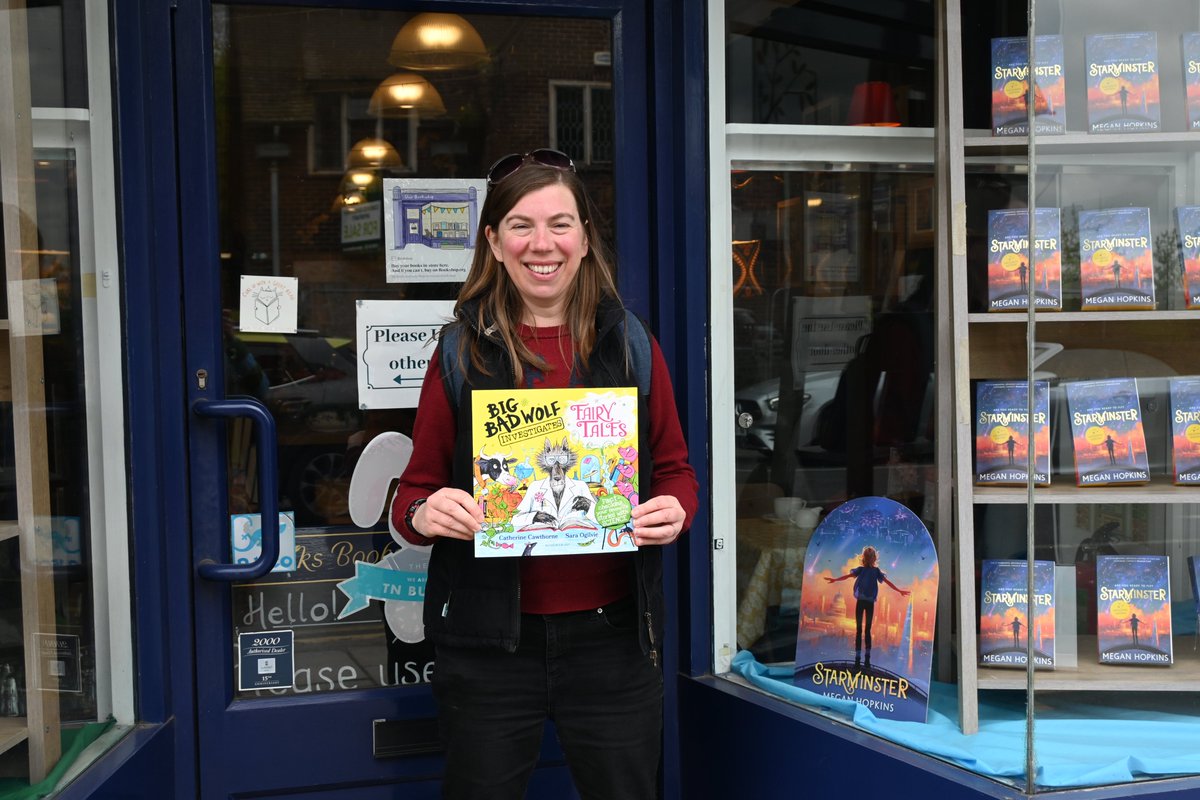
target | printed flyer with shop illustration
[
  {"x": 868, "y": 608},
  {"x": 555, "y": 470}
]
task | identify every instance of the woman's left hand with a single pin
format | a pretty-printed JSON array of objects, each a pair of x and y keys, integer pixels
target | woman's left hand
[{"x": 659, "y": 520}]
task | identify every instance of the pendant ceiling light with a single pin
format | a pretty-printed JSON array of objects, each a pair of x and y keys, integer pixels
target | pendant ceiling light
[
  {"x": 373, "y": 153},
  {"x": 438, "y": 42},
  {"x": 405, "y": 92}
]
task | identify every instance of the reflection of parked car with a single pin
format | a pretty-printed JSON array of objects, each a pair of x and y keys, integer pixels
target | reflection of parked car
[{"x": 312, "y": 391}]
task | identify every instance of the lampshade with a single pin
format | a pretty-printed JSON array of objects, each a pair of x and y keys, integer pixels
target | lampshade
[
  {"x": 373, "y": 153},
  {"x": 436, "y": 42},
  {"x": 872, "y": 104},
  {"x": 403, "y": 93}
]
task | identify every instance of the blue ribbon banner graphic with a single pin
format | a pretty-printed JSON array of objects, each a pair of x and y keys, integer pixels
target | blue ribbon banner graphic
[{"x": 373, "y": 582}]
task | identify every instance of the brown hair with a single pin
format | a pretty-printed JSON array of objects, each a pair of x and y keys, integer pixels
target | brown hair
[
  {"x": 499, "y": 307},
  {"x": 869, "y": 556}
]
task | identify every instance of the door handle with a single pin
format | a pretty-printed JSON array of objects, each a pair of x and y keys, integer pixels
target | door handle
[{"x": 268, "y": 487}]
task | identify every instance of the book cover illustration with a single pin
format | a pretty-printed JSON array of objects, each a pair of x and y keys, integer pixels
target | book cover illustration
[
  {"x": 1187, "y": 219},
  {"x": 1010, "y": 86},
  {"x": 1191, "y": 78},
  {"x": 1122, "y": 82},
  {"x": 556, "y": 471},
  {"x": 1004, "y": 626},
  {"x": 1003, "y": 432},
  {"x": 1116, "y": 259},
  {"x": 1010, "y": 268},
  {"x": 868, "y": 606},
  {"x": 1133, "y": 610},
  {"x": 1107, "y": 433},
  {"x": 1185, "y": 430}
]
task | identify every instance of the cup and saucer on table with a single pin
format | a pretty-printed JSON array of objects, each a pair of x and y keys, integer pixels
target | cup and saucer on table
[{"x": 795, "y": 511}]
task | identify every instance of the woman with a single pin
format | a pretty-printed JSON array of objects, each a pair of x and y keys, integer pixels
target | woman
[{"x": 571, "y": 638}]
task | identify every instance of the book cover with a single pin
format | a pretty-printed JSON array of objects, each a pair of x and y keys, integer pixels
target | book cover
[
  {"x": 1185, "y": 430},
  {"x": 1004, "y": 626},
  {"x": 1116, "y": 259},
  {"x": 1187, "y": 219},
  {"x": 1191, "y": 78},
  {"x": 1107, "y": 433},
  {"x": 1003, "y": 432},
  {"x": 1133, "y": 610},
  {"x": 556, "y": 470},
  {"x": 868, "y": 609},
  {"x": 1010, "y": 86},
  {"x": 1122, "y": 82},
  {"x": 1010, "y": 268}
]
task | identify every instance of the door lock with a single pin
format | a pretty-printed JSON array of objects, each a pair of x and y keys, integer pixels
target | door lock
[{"x": 201, "y": 379}]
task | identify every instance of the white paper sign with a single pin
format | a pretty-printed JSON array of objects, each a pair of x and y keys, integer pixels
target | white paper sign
[
  {"x": 268, "y": 304},
  {"x": 396, "y": 339},
  {"x": 430, "y": 227}
]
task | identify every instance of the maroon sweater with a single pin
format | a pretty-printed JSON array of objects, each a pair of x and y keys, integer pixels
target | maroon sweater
[{"x": 553, "y": 584}]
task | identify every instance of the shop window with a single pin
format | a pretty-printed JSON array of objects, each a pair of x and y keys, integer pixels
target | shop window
[{"x": 340, "y": 119}]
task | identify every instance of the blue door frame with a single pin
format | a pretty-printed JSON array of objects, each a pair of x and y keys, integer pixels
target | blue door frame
[{"x": 164, "y": 121}]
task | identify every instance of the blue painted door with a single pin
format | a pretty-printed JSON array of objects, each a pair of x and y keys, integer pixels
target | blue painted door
[{"x": 287, "y": 137}]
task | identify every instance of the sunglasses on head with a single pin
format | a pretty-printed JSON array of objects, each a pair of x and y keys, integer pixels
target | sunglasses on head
[{"x": 507, "y": 165}]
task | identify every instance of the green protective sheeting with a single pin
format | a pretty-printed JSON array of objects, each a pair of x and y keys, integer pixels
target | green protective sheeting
[{"x": 74, "y": 740}]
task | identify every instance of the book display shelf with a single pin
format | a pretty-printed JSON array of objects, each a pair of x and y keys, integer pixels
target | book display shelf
[{"x": 1114, "y": 154}]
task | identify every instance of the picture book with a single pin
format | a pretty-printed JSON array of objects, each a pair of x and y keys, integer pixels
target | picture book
[
  {"x": 1187, "y": 218},
  {"x": 1107, "y": 432},
  {"x": 1003, "y": 432},
  {"x": 1191, "y": 78},
  {"x": 1004, "y": 606},
  {"x": 1122, "y": 82},
  {"x": 1116, "y": 259},
  {"x": 1185, "y": 430},
  {"x": 868, "y": 609},
  {"x": 1133, "y": 610},
  {"x": 1011, "y": 269},
  {"x": 1010, "y": 86},
  {"x": 555, "y": 470}
]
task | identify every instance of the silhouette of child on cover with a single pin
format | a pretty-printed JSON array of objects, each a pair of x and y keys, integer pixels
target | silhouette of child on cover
[{"x": 866, "y": 591}]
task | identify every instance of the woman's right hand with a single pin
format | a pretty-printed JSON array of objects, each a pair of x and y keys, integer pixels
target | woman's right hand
[{"x": 449, "y": 512}]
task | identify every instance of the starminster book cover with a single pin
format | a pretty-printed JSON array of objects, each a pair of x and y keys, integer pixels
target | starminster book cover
[
  {"x": 1133, "y": 610},
  {"x": 1187, "y": 221},
  {"x": 1010, "y": 86},
  {"x": 1011, "y": 269},
  {"x": 1190, "y": 45},
  {"x": 556, "y": 471},
  {"x": 1116, "y": 259},
  {"x": 1004, "y": 431},
  {"x": 1107, "y": 432},
  {"x": 1122, "y": 82},
  {"x": 1185, "y": 430},
  {"x": 1004, "y": 602}
]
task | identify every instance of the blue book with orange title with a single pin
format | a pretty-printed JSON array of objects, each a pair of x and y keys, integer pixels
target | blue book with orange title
[
  {"x": 1010, "y": 86},
  {"x": 1187, "y": 218},
  {"x": 1133, "y": 610},
  {"x": 1011, "y": 269},
  {"x": 1191, "y": 78},
  {"x": 1122, "y": 82},
  {"x": 1004, "y": 605},
  {"x": 1107, "y": 433},
  {"x": 1116, "y": 259},
  {"x": 1003, "y": 432},
  {"x": 1185, "y": 430}
]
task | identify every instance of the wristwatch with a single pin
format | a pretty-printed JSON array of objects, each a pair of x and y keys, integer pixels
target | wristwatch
[{"x": 412, "y": 510}]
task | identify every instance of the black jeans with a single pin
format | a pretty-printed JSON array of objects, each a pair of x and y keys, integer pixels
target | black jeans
[{"x": 584, "y": 670}]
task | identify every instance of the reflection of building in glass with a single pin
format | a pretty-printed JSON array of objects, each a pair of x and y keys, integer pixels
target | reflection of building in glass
[{"x": 442, "y": 219}]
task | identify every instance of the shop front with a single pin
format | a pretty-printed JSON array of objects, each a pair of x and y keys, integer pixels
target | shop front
[{"x": 230, "y": 229}]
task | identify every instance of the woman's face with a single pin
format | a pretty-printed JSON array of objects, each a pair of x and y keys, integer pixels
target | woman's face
[{"x": 541, "y": 242}]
